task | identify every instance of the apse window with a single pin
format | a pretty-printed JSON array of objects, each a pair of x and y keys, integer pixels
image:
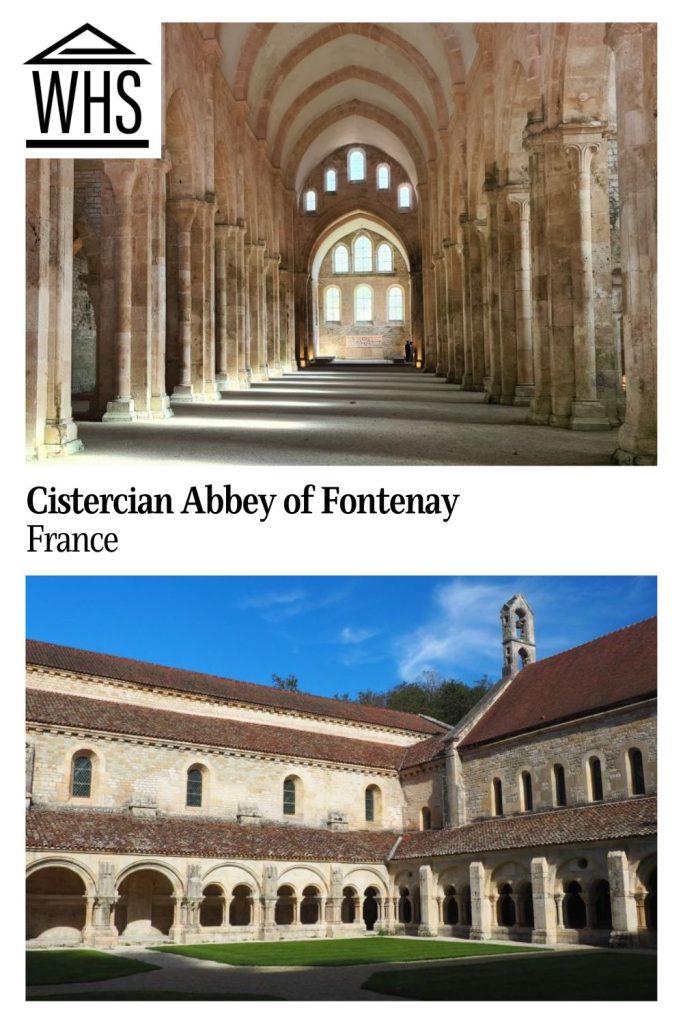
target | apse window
[
  {"x": 330, "y": 181},
  {"x": 363, "y": 303},
  {"x": 310, "y": 201},
  {"x": 383, "y": 180},
  {"x": 404, "y": 196},
  {"x": 340, "y": 260},
  {"x": 385, "y": 264},
  {"x": 333, "y": 305},
  {"x": 362, "y": 255},
  {"x": 395, "y": 303},
  {"x": 356, "y": 165}
]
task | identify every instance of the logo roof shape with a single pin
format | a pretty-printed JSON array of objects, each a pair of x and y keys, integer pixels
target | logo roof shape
[{"x": 112, "y": 53}]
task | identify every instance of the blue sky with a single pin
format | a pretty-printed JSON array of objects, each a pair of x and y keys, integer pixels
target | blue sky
[{"x": 335, "y": 633}]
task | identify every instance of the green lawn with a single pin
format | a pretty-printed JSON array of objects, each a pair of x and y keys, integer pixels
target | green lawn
[
  {"x": 146, "y": 996},
  {"x": 337, "y": 952},
  {"x": 573, "y": 976},
  {"x": 61, "y": 966}
]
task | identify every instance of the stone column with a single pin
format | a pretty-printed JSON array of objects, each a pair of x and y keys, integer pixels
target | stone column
[
  {"x": 545, "y": 913},
  {"x": 242, "y": 309},
  {"x": 209, "y": 389},
  {"x": 160, "y": 405},
  {"x": 440, "y": 336},
  {"x": 481, "y": 905},
  {"x": 477, "y": 361},
  {"x": 624, "y": 909},
  {"x": 428, "y": 910},
  {"x": 177, "y": 926},
  {"x": 524, "y": 389},
  {"x": 587, "y": 413},
  {"x": 222, "y": 243},
  {"x": 541, "y": 403},
  {"x": 558, "y": 897},
  {"x": 454, "y": 255},
  {"x": 88, "y": 931},
  {"x": 183, "y": 212},
  {"x": 273, "y": 315},
  {"x": 635, "y": 52},
  {"x": 122, "y": 174}
]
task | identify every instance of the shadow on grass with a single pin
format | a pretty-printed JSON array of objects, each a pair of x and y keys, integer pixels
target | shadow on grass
[
  {"x": 64, "y": 966},
  {"x": 584, "y": 976},
  {"x": 146, "y": 996},
  {"x": 338, "y": 952}
]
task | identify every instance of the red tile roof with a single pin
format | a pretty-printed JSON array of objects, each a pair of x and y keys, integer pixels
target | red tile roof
[
  {"x": 613, "y": 670},
  {"x": 102, "y": 832},
  {"x": 143, "y": 673},
  {"x": 51, "y": 708},
  {"x": 618, "y": 820},
  {"x": 423, "y": 752}
]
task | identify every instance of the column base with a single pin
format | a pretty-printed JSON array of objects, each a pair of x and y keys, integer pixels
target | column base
[
  {"x": 223, "y": 383},
  {"x": 636, "y": 450},
  {"x": 623, "y": 458},
  {"x": 209, "y": 393},
  {"x": 275, "y": 371},
  {"x": 621, "y": 940},
  {"x": 244, "y": 378},
  {"x": 556, "y": 420},
  {"x": 425, "y": 930},
  {"x": 543, "y": 938},
  {"x": 161, "y": 407},
  {"x": 523, "y": 394},
  {"x": 588, "y": 416},
  {"x": 478, "y": 935},
  {"x": 51, "y": 451},
  {"x": 259, "y": 376},
  {"x": 121, "y": 410},
  {"x": 182, "y": 394}
]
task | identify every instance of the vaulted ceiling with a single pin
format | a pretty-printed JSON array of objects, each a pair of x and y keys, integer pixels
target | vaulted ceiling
[{"x": 312, "y": 88}]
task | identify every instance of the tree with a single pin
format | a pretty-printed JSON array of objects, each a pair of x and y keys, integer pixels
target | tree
[{"x": 288, "y": 683}]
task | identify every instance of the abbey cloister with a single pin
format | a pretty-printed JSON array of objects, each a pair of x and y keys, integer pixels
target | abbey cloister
[{"x": 327, "y": 192}]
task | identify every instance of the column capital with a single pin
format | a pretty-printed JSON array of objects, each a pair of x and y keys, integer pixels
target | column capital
[
  {"x": 583, "y": 150},
  {"x": 183, "y": 212},
  {"x": 519, "y": 199},
  {"x": 212, "y": 52},
  {"x": 122, "y": 175},
  {"x": 619, "y": 32}
]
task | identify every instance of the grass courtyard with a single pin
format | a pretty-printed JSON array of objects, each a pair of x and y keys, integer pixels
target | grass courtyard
[
  {"x": 571, "y": 976},
  {"x": 66, "y": 966},
  {"x": 339, "y": 952}
]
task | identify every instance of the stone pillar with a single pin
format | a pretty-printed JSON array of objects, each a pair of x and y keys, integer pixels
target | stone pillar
[
  {"x": 160, "y": 404},
  {"x": 273, "y": 315},
  {"x": 416, "y": 317},
  {"x": 177, "y": 926},
  {"x": 541, "y": 403},
  {"x": 524, "y": 389},
  {"x": 183, "y": 212},
  {"x": 475, "y": 371},
  {"x": 242, "y": 308},
  {"x": 545, "y": 913},
  {"x": 207, "y": 383},
  {"x": 428, "y": 910},
  {"x": 440, "y": 335},
  {"x": 88, "y": 930},
  {"x": 624, "y": 909},
  {"x": 122, "y": 174},
  {"x": 587, "y": 413},
  {"x": 481, "y": 905},
  {"x": 635, "y": 52},
  {"x": 222, "y": 242}
]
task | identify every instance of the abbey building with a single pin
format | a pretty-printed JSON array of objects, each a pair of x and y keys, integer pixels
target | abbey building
[
  {"x": 167, "y": 805},
  {"x": 328, "y": 192}
]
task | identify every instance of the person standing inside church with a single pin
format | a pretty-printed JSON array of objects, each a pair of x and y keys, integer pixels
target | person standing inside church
[{"x": 409, "y": 350}]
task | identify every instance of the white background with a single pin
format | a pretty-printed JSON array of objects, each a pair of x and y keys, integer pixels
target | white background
[{"x": 508, "y": 520}]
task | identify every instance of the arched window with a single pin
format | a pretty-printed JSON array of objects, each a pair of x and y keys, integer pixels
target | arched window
[
  {"x": 602, "y": 905},
  {"x": 405, "y": 910},
  {"x": 333, "y": 304},
  {"x": 309, "y": 911},
  {"x": 211, "y": 909},
  {"x": 285, "y": 905},
  {"x": 241, "y": 906},
  {"x": 426, "y": 819},
  {"x": 363, "y": 303},
  {"x": 193, "y": 791},
  {"x": 525, "y": 903},
  {"x": 450, "y": 905},
  {"x": 573, "y": 906},
  {"x": 395, "y": 303},
  {"x": 348, "y": 907},
  {"x": 356, "y": 165},
  {"x": 383, "y": 176},
  {"x": 362, "y": 255},
  {"x": 385, "y": 263},
  {"x": 559, "y": 787},
  {"x": 636, "y": 772},
  {"x": 527, "y": 793},
  {"x": 404, "y": 195},
  {"x": 506, "y": 911},
  {"x": 331, "y": 180},
  {"x": 369, "y": 804},
  {"x": 497, "y": 797},
  {"x": 289, "y": 796},
  {"x": 81, "y": 775},
  {"x": 311, "y": 201},
  {"x": 595, "y": 776},
  {"x": 340, "y": 260}
]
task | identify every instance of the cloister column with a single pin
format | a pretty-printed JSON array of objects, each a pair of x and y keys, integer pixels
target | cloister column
[
  {"x": 481, "y": 905},
  {"x": 177, "y": 926},
  {"x": 88, "y": 930},
  {"x": 428, "y": 910},
  {"x": 520, "y": 206},
  {"x": 541, "y": 403},
  {"x": 183, "y": 212},
  {"x": 207, "y": 377},
  {"x": 624, "y": 909},
  {"x": 222, "y": 242},
  {"x": 122, "y": 174},
  {"x": 160, "y": 404},
  {"x": 545, "y": 913},
  {"x": 635, "y": 52},
  {"x": 587, "y": 413}
]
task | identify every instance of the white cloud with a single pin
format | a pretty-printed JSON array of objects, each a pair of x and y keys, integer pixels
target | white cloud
[
  {"x": 349, "y": 635},
  {"x": 272, "y": 599}
]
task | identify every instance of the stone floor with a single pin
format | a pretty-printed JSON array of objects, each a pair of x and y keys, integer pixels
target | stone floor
[{"x": 356, "y": 416}]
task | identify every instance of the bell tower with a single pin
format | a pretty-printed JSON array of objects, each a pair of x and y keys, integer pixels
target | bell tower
[{"x": 519, "y": 640}]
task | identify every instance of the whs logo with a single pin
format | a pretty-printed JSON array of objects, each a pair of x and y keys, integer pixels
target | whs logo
[{"x": 92, "y": 94}]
